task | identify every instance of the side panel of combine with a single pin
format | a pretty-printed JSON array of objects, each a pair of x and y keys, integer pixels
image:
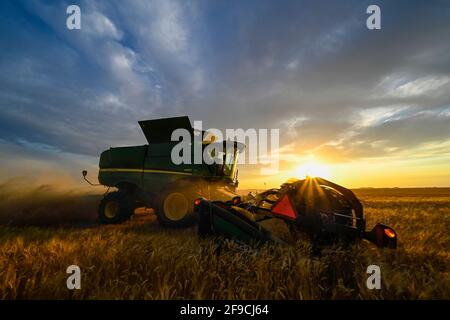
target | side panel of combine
[
  {"x": 159, "y": 170},
  {"x": 124, "y": 164}
]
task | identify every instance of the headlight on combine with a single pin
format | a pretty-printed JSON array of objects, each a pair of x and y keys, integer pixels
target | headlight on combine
[
  {"x": 390, "y": 233},
  {"x": 382, "y": 236}
]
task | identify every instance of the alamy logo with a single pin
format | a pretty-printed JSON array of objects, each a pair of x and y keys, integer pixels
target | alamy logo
[
  {"x": 373, "y": 22},
  {"x": 74, "y": 280},
  {"x": 374, "y": 280},
  {"x": 214, "y": 147},
  {"x": 74, "y": 19}
]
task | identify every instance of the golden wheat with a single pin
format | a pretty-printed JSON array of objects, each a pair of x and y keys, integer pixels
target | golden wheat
[{"x": 140, "y": 260}]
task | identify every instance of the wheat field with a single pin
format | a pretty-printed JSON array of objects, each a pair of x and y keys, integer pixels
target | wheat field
[{"x": 44, "y": 230}]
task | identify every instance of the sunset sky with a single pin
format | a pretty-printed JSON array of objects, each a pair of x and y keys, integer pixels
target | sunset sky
[{"x": 365, "y": 108}]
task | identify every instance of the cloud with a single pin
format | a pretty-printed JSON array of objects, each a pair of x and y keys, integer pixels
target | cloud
[
  {"x": 98, "y": 25},
  {"x": 376, "y": 116},
  {"x": 404, "y": 136},
  {"x": 404, "y": 87}
]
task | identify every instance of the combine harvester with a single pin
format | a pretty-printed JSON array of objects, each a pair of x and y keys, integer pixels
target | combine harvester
[
  {"x": 184, "y": 194},
  {"x": 146, "y": 176}
]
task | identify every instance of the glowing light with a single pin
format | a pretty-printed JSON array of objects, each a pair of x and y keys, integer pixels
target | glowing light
[
  {"x": 312, "y": 169},
  {"x": 389, "y": 233}
]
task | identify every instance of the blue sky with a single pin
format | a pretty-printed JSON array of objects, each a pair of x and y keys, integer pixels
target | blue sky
[{"x": 345, "y": 94}]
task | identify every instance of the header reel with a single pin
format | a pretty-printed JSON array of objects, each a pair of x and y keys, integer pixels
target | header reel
[{"x": 326, "y": 211}]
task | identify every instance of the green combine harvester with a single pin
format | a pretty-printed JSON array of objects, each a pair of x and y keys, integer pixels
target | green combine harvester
[
  {"x": 146, "y": 176},
  {"x": 184, "y": 193}
]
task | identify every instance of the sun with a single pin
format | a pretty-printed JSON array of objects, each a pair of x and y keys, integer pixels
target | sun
[{"x": 312, "y": 169}]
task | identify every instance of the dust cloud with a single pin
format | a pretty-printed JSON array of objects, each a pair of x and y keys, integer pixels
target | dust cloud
[{"x": 22, "y": 203}]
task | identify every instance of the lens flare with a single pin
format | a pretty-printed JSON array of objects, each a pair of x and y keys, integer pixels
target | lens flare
[{"x": 312, "y": 169}]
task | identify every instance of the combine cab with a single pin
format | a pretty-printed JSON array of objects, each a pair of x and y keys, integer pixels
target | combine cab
[{"x": 146, "y": 176}]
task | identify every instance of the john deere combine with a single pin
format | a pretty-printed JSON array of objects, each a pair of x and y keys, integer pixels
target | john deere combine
[
  {"x": 184, "y": 193},
  {"x": 146, "y": 176}
]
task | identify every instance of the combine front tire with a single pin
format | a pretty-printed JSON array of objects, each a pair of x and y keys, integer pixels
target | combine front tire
[
  {"x": 176, "y": 209},
  {"x": 115, "y": 207}
]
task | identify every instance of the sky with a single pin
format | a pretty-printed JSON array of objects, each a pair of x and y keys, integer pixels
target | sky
[{"x": 370, "y": 108}]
